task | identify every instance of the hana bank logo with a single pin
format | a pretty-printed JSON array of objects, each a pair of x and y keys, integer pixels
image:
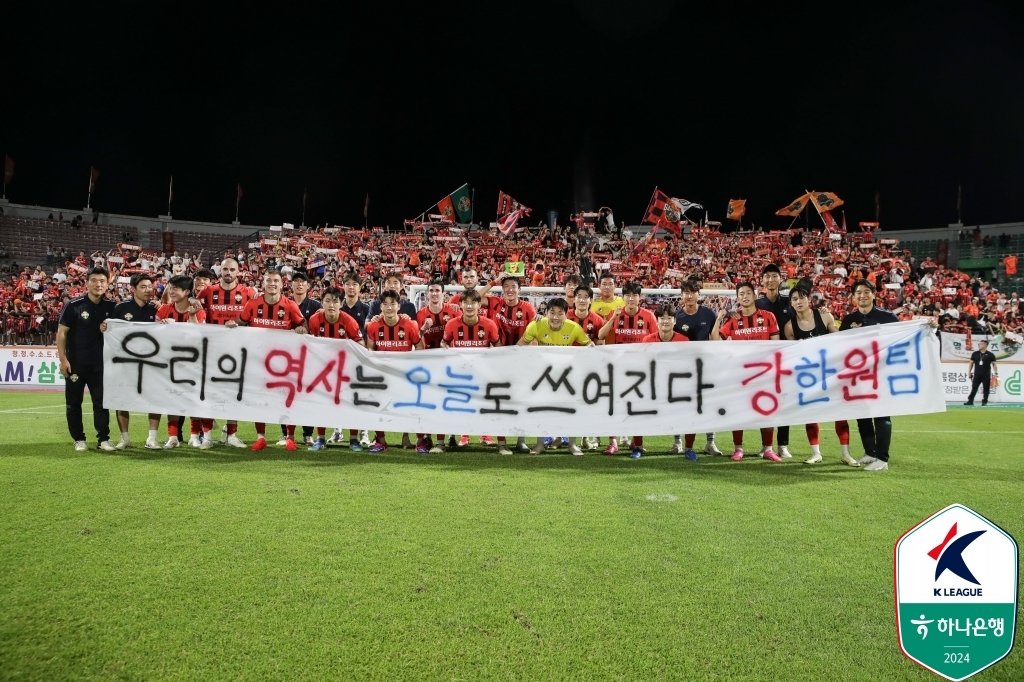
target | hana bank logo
[{"x": 949, "y": 556}]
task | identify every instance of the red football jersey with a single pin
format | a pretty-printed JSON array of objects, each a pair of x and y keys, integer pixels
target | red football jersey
[
  {"x": 345, "y": 327},
  {"x": 223, "y": 305},
  {"x": 633, "y": 328},
  {"x": 284, "y": 314},
  {"x": 458, "y": 334},
  {"x": 402, "y": 337},
  {"x": 168, "y": 312},
  {"x": 757, "y": 327},
  {"x": 656, "y": 338},
  {"x": 591, "y": 324},
  {"x": 511, "y": 319},
  {"x": 433, "y": 335}
]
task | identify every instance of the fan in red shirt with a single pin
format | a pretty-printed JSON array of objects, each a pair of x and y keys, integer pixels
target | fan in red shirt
[
  {"x": 182, "y": 308},
  {"x": 394, "y": 334},
  {"x": 332, "y": 323},
  {"x": 224, "y": 303},
  {"x": 751, "y": 324},
  {"x": 272, "y": 311},
  {"x": 432, "y": 319}
]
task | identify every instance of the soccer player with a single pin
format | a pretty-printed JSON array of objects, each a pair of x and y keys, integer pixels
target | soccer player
[
  {"x": 224, "y": 303},
  {"x": 330, "y": 322},
  {"x": 470, "y": 279},
  {"x": 695, "y": 321},
  {"x": 80, "y": 351},
  {"x": 272, "y": 311},
  {"x": 607, "y": 302},
  {"x": 470, "y": 330},
  {"x": 307, "y": 306},
  {"x": 591, "y": 322},
  {"x": 773, "y": 300},
  {"x": 555, "y": 330},
  {"x": 807, "y": 322},
  {"x": 512, "y": 315},
  {"x": 665, "y": 314},
  {"x": 432, "y": 319},
  {"x": 200, "y": 280},
  {"x": 359, "y": 310},
  {"x": 876, "y": 432},
  {"x": 139, "y": 308},
  {"x": 629, "y": 324},
  {"x": 393, "y": 333},
  {"x": 182, "y": 307},
  {"x": 751, "y": 324}
]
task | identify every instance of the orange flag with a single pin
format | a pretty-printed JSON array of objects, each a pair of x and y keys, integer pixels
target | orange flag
[
  {"x": 737, "y": 209},
  {"x": 796, "y": 207},
  {"x": 825, "y": 201}
]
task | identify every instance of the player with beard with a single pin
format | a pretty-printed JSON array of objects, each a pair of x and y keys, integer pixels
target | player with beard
[
  {"x": 807, "y": 323},
  {"x": 695, "y": 322},
  {"x": 272, "y": 311},
  {"x": 750, "y": 324},
  {"x": 224, "y": 303}
]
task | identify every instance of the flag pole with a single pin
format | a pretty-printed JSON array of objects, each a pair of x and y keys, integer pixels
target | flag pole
[
  {"x": 88, "y": 198},
  {"x": 305, "y": 193},
  {"x": 170, "y": 195}
]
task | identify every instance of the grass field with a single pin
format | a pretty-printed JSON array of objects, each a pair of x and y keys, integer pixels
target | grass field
[{"x": 223, "y": 564}]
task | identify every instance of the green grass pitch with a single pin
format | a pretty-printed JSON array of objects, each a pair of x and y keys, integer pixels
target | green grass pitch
[{"x": 224, "y": 564}]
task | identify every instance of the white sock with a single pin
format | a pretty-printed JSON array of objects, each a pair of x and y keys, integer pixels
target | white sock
[
  {"x": 614, "y": 440},
  {"x": 152, "y": 434},
  {"x": 678, "y": 439},
  {"x": 846, "y": 449},
  {"x": 125, "y": 437},
  {"x": 815, "y": 449}
]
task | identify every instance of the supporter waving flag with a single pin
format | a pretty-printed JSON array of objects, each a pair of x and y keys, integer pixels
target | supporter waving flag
[
  {"x": 509, "y": 213},
  {"x": 795, "y": 207}
]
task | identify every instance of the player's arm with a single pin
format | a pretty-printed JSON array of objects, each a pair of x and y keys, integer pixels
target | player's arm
[
  {"x": 716, "y": 329},
  {"x": 606, "y": 328},
  {"x": 529, "y": 336},
  {"x": 830, "y": 321},
  {"x": 581, "y": 337},
  {"x": 788, "y": 330}
]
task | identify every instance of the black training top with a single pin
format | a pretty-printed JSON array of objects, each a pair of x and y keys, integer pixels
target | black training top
[{"x": 83, "y": 319}]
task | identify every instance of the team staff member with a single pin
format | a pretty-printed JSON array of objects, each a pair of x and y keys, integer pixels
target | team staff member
[
  {"x": 875, "y": 432},
  {"x": 773, "y": 300},
  {"x": 695, "y": 322},
  {"x": 139, "y": 308},
  {"x": 983, "y": 368},
  {"x": 80, "y": 350}
]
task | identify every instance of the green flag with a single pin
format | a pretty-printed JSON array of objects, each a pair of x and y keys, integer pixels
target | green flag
[{"x": 463, "y": 203}]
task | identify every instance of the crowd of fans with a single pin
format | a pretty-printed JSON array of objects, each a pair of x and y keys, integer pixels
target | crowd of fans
[{"x": 31, "y": 299}]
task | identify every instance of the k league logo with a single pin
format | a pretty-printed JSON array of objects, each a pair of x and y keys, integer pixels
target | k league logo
[{"x": 956, "y": 592}]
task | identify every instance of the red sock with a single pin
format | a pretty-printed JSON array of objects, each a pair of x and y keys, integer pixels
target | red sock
[
  {"x": 194, "y": 427},
  {"x": 207, "y": 425},
  {"x": 689, "y": 438},
  {"x": 812, "y": 433},
  {"x": 737, "y": 438},
  {"x": 232, "y": 428},
  {"x": 379, "y": 436},
  {"x": 353, "y": 433},
  {"x": 638, "y": 441},
  {"x": 291, "y": 431},
  {"x": 767, "y": 436},
  {"x": 843, "y": 431},
  {"x": 321, "y": 431},
  {"x": 261, "y": 429},
  {"x": 172, "y": 428}
]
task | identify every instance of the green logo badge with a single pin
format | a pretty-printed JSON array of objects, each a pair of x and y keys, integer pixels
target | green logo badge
[{"x": 956, "y": 592}]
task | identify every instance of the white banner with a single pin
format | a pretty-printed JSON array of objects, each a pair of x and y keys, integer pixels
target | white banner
[
  {"x": 1007, "y": 349},
  {"x": 30, "y": 367},
  {"x": 640, "y": 389},
  {"x": 956, "y": 385}
]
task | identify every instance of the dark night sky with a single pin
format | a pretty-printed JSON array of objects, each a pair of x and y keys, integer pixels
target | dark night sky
[{"x": 563, "y": 105}]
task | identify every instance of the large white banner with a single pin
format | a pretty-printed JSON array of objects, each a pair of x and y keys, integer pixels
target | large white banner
[
  {"x": 956, "y": 383},
  {"x": 638, "y": 389},
  {"x": 282, "y": 377},
  {"x": 30, "y": 367}
]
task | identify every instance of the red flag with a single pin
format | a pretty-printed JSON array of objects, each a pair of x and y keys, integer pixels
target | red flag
[
  {"x": 94, "y": 175},
  {"x": 508, "y": 223},
  {"x": 8, "y": 169},
  {"x": 506, "y": 205},
  {"x": 830, "y": 222},
  {"x": 664, "y": 211},
  {"x": 844, "y": 221},
  {"x": 447, "y": 209},
  {"x": 737, "y": 209}
]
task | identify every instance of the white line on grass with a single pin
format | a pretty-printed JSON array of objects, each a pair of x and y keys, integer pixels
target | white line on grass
[
  {"x": 955, "y": 431},
  {"x": 32, "y": 410}
]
